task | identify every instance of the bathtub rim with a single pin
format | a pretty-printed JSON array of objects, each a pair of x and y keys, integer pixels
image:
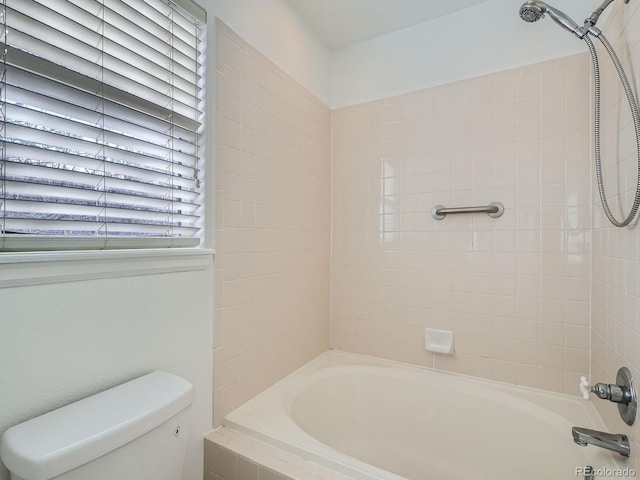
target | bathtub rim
[{"x": 318, "y": 452}]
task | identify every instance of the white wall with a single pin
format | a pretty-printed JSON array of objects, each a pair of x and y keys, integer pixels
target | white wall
[
  {"x": 486, "y": 38},
  {"x": 276, "y": 31},
  {"x": 475, "y": 41},
  {"x": 61, "y": 342}
]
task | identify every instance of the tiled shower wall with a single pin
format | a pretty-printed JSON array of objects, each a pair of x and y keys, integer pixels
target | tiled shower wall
[
  {"x": 273, "y": 219},
  {"x": 616, "y": 251},
  {"x": 515, "y": 290}
]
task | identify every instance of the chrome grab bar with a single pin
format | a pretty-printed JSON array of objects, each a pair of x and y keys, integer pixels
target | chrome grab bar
[{"x": 494, "y": 209}]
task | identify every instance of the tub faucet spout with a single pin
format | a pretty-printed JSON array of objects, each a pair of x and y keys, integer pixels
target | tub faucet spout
[{"x": 615, "y": 442}]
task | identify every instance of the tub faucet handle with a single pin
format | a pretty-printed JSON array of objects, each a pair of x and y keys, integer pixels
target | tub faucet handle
[
  {"x": 613, "y": 393},
  {"x": 623, "y": 392},
  {"x": 585, "y": 388},
  {"x": 606, "y": 391}
]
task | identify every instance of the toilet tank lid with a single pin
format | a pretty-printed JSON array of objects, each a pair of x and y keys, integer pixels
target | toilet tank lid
[{"x": 66, "y": 438}]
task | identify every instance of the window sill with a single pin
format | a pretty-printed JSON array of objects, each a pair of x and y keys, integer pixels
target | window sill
[{"x": 39, "y": 268}]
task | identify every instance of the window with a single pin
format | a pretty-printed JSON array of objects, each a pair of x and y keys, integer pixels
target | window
[{"x": 101, "y": 122}]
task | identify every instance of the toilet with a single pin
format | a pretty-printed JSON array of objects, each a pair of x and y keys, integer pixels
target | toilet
[{"x": 135, "y": 431}]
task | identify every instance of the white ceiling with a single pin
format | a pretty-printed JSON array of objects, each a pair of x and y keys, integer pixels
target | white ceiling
[{"x": 343, "y": 22}]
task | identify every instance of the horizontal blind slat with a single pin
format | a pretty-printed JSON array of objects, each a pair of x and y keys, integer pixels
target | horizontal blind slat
[
  {"x": 20, "y": 187},
  {"x": 96, "y": 14},
  {"x": 46, "y": 68},
  {"x": 26, "y": 87},
  {"x": 91, "y": 226},
  {"x": 93, "y": 130},
  {"x": 24, "y": 243},
  {"x": 116, "y": 77},
  {"x": 68, "y": 20},
  {"x": 92, "y": 177},
  {"x": 25, "y": 152},
  {"x": 24, "y": 202},
  {"x": 160, "y": 22},
  {"x": 57, "y": 141},
  {"x": 96, "y": 215}
]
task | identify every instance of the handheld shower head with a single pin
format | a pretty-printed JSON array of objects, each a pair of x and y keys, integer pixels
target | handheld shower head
[
  {"x": 531, "y": 11},
  {"x": 534, "y": 10}
]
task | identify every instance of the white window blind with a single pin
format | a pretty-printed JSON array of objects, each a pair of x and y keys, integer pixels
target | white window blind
[{"x": 102, "y": 120}]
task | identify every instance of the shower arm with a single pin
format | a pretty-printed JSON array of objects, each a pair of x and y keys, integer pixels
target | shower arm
[{"x": 592, "y": 19}]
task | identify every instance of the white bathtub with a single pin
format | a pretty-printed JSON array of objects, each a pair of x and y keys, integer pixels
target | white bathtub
[{"x": 374, "y": 419}]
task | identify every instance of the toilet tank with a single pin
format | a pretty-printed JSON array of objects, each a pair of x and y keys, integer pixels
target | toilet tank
[{"x": 134, "y": 431}]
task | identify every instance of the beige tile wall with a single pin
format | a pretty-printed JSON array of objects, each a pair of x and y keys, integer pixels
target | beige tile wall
[
  {"x": 514, "y": 290},
  {"x": 615, "y": 306},
  {"x": 518, "y": 291},
  {"x": 272, "y": 224}
]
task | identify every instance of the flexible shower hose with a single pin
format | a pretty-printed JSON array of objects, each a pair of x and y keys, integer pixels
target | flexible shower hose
[{"x": 636, "y": 122}]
